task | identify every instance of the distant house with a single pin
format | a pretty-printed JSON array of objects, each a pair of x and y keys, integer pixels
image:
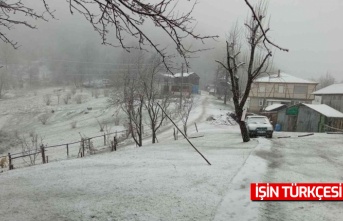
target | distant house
[
  {"x": 211, "y": 89},
  {"x": 271, "y": 112},
  {"x": 332, "y": 96},
  {"x": 187, "y": 82},
  {"x": 309, "y": 118},
  {"x": 280, "y": 88}
]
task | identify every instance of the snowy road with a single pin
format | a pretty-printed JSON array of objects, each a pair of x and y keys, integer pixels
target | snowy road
[{"x": 317, "y": 158}]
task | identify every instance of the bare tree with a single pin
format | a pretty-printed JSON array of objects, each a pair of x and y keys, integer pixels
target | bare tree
[
  {"x": 43, "y": 118},
  {"x": 5, "y": 69},
  {"x": 3, "y": 81},
  {"x": 153, "y": 96},
  {"x": 133, "y": 107},
  {"x": 127, "y": 18},
  {"x": 47, "y": 99},
  {"x": 132, "y": 97},
  {"x": 185, "y": 111},
  {"x": 325, "y": 80},
  {"x": 256, "y": 60},
  {"x": 31, "y": 147}
]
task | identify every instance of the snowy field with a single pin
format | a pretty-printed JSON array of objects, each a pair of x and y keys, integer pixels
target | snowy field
[{"x": 170, "y": 181}]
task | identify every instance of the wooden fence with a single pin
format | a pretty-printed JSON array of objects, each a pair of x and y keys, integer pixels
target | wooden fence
[{"x": 110, "y": 140}]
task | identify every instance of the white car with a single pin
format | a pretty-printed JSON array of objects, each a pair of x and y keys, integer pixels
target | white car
[{"x": 259, "y": 126}]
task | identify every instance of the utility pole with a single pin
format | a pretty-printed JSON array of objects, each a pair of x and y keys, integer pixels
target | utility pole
[{"x": 181, "y": 87}]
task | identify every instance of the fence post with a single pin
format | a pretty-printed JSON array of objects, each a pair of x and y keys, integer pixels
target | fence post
[
  {"x": 196, "y": 127},
  {"x": 10, "y": 166},
  {"x": 104, "y": 139},
  {"x": 83, "y": 148},
  {"x": 67, "y": 150},
  {"x": 43, "y": 153},
  {"x": 47, "y": 159},
  {"x": 115, "y": 143}
]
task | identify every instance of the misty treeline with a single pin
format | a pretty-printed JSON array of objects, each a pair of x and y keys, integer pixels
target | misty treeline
[
  {"x": 118, "y": 23},
  {"x": 73, "y": 54},
  {"x": 325, "y": 80},
  {"x": 64, "y": 66}
]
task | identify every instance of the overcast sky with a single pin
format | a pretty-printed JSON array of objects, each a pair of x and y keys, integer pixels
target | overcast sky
[{"x": 311, "y": 29}]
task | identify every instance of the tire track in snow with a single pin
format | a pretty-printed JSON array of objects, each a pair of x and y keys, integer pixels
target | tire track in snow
[{"x": 236, "y": 203}]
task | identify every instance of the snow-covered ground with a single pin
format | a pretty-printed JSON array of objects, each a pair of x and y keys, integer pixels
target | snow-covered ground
[{"x": 170, "y": 181}]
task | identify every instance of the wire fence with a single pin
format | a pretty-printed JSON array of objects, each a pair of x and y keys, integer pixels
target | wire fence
[{"x": 47, "y": 153}]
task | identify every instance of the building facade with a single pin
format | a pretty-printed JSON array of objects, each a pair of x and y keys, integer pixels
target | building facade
[
  {"x": 280, "y": 88},
  {"x": 332, "y": 96},
  {"x": 188, "y": 83}
]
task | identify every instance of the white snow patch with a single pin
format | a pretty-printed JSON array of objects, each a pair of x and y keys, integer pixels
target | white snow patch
[
  {"x": 332, "y": 89},
  {"x": 325, "y": 110},
  {"x": 283, "y": 78}
]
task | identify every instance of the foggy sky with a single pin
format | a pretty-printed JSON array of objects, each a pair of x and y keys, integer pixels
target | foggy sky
[{"x": 310, "y": 29}]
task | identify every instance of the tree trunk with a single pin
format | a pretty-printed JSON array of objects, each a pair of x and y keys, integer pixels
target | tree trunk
[
  {"x": 153, "y": 136},
  {"x": 244, "y": 131},
  {"x": 185, "y": 129}
]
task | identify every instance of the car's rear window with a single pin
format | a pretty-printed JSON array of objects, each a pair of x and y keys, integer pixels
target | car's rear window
[{"x": 257, "y": 120}]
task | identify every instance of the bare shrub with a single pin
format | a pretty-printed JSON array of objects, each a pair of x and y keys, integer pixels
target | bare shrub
[
  {"x": 8, "y": 140},
  {"x": 116, "y": 117},
  {"x": 31, "y": 146},
  {"x": 102, "y": 125},
  {"x": 73, "y": 124},
  {"x": 66, "y": 99},
  {"x": 88, "y": 145},
  {"x": 32, "y": 133},
  {"x": 73, "y": 90},
  {"x": 68, "y": 95},
  {"x": 43, "y": 118},
  {"x": 78, "y": 99},
  {"x": 108, "y": 137},
  {"x": 47, "y": 99},
  {"x": 106, "y": 92},
  {"x": 95, "y": 93}
]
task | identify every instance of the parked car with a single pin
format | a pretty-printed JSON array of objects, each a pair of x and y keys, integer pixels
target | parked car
[{"x": 259, "y": 126}]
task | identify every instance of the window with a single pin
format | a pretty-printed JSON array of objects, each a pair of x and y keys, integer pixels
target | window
[
  {"x": 298, "y": 89},
  {"x": 262, "y": 89},
  {"x": 260, "y": 102},
  {"x": 281, "y": 89}
]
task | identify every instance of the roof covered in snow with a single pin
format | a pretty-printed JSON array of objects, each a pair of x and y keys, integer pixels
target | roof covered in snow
[
  {"x": 325, "y": 110},
  {"x": 177, "y": 75},
  {"x": 273, "y": 107},
  {"x": 332, "y": 89},
  {"x": 283, "y": 78}
]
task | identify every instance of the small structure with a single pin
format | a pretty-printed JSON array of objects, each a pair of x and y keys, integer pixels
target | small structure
[
  {"x": 332, "y": 96},
  {"x": 187, "y": 82},
  {"x": 272, "y": 111},
  {"x": 309, "y": 118}
]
